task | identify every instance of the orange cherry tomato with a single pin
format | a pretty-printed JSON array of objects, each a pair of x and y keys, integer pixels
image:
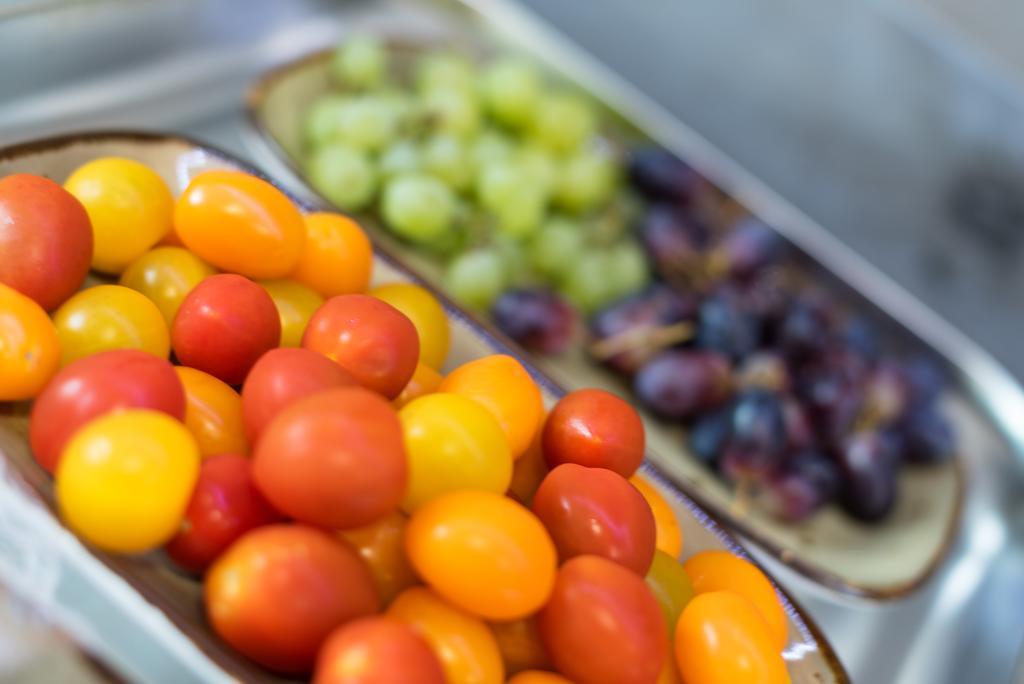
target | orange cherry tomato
[
  {"x": 464, "y": 644},
  {"x": 166, "y": 275},
  {"x": 503, "y": 386},
  {"x": 521, "y": 646},
  {"x": 668, "y": 533},
  {"x": 722, "y": 571},
  {"x": 538, "y": 677},
  {"x": 483, "y": 552},
  {"x": 381, "y": 545},
  {"x": 337, "y": 257},
  {"x": 240, "y": 224},
  {"x": 29, "y": 346},
  {"x": 213, "y": 413},
  {"x": 295, "y": 304},
  {"x": 425, "y": 380},
  {"x": 528, "y": 472},
  {"x": 426, "y": 313},
  {"x": 377, "y": 650},
  {"x": 108, "y": 317},
  {"x": 722, "y": 639}
]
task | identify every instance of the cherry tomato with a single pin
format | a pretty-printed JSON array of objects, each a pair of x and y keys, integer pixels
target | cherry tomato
[
  {"x": 670, "y": 672},
  {"x": 520, "y": 645},
  {"x": 109, "y": 317},
  {"x": 295, "y": 304},
  {"x": 602, "y": 625},
  {"x": 377, "y": 650},
  {"x": 452, "y": 443},
  {"x": 668, "y": 533},
  {"x": 129, "y": 207},
  {"x": 670, "y": 585},
  {"x": 503, "y": 387},
  {"x": 45, "y": 239},
  {"x": 371, "y": 339},
  {"x": 213, "y": 413},
  {"x": 99, "y": 384},
  {"x": 224, "y": 325},
  {"x": 279, "y": 591},
  {"x": 594, "y": 428},
  {"x": 334, "y": 459},
  {"x": 125, "y": 478},
  {"x": 596, "y": 511},
  {"x": 483, "y": 552},
  {"x": 381, "y": 545},
  {"x": 29, "y": 346},
  {"x": 224, "y": 505},
  {"x": 166, "y": 275},
  {"x": 722, "y": 639},
  {"x": 722, "y": 571},
  {"x": 241, "y": 224},
  {"x": 425, "y": 380},
  {"x": 337, "y": 257},
  {"x": 538, "y": 677},
  {"x": 464, "y": 644},
  {"x": 426, "y": 313},
  {"x": 527, "y": 473}
]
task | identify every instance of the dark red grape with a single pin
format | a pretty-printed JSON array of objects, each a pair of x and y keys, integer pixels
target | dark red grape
[
  {"x": 870, "y": 484},
  {"x": 757, "y": 434},
  {"x": 709, "y": 434},
  {"x": 537, "y": 319},
  {"x": 926, "y": 379},
  {"x": 804, "y": 328},
  {"x": 928, "y": 437},
  {"x": 806, "y": 482},
  {"x": 861, "y": 335},
  {"x": 799, "y": 433},
  {"x": 750, "y": 246},
  {"x": 679, "y": 383},
  {"x": 674, "y": 241},
  {"x": 830, "y": 386},
  {"x": 764, "y": 295},
  {"x": 725, "y": 327},
  {"x": 661, "y": 175},
  {"x": 886, "y": 394},
  {"x": 657, "y": 306}
]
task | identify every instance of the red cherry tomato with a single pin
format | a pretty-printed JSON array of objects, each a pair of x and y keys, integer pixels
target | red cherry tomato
[
  {"x": 594, "y": 428},
  {"x": 95, "y": 385},
  {"x": 377, "y": 650},
  {"x": 335, "y": 459},
  {"x": 596, "y": 511},
  {"x": 369, "y": 338},
  {"x": 279, "y": 591},
  {"x": 45, "y": 239},
  {"x": 603, "y": 625},
  {"x": 225, "y": 504},
  {"x": 282, "y": 376},
  {"x": 224, "y": 325}
]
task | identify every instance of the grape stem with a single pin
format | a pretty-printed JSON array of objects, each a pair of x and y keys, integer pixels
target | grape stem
[{"x": 649, "y": 338}]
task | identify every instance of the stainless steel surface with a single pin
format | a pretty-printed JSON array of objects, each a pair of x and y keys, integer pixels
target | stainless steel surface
[{"x": 185, "y": 65}]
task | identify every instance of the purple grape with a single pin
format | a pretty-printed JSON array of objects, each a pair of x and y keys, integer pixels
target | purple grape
[
  {"x": 725, "y": 327},
  {"x": 537, "y": 319},
  {"x": 757, "y": 435},
  {"x": 928, "y": 437},
  {"x": 661, "y": 175},
  {"x": 799, "y": 433},
  {"x": 861, "y": 335},
  {"x": 764, "y": 294},
  {"x": 673, "y": 241},
  {"x": 926, "y": 380},
  {"x": 659, "y": 305},
  {"x": 803, "y": 329},
  {"x": 679, "y": 383},
  {"x": 750, "y": 246},
  {"x": 806, "y": 482},
  {"x": 886, "y": 393},
  {"x": 870, "y": 485},
  {"x": 709, "y": 434},
  {"x": 830, "y": 386}
]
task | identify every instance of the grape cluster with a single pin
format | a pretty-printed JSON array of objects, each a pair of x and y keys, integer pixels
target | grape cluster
[
  {"x": 784, "y": 393},
  {"x": 500, "y": 173}
]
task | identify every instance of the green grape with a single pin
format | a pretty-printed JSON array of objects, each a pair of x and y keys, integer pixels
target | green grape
[
  {"x": 539, "y": 165},
  {"x": 523, "y": 212},
  {"x": 454, "y": 111},
  {"x": 501, "y": 182},
  {"x": 401, "y": 157},
  {"x": 322, "y": 119},
  {"x": 563, "y": 121},
  {"x": 515, "y": 260},
  {"x": 628, "y": 270},
  {"x": 444, "y": 70},
  {"x": 587, "y": 284},
  {"x": 360, "y": 62},
  {"x": 555, "y": 247},
  {"x": 476, "y": 278},
  {"x": 418, "y": 207},
  {"x": 587, "y": 181},
  {"x": 489, "y": 147},
  {"x": 510, "y": 88},
  {"x": 445, "y": 157},
  {"x": 367, "y": 123},
  {"x": 344, "y": 176}
]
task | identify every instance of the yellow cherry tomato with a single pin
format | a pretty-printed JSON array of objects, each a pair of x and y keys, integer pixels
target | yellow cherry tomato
[
  {"x": 295, "y": 305},
  {"x": 109, "y": 317},
  {"x": 668, "y": 535},
  {"x": 382, "y": 546},
  {"x": 425, "y": 380},
  {"x": 670, "y": 585},
  {"x": 29, "y": 347},
  {"x": 722, "y": 639},
  {"x": 464, "y": 644},
  {"x": 716, "y": 570},
  {"x": 503, "y": 387},
  {"x": 166, "y": 275},
  {"x": 538, "y": 677},
  {"x": 426, "y": 313},
  {"x": 452, "y": 443},
  {"x": 129, "y": 206},
  {"x": 125, "y": 479},
  {"x": 483, "y": 552},
  {"x": 337, "y": 257},
  {"x": 213, "y": 413},
  {"x": 240, "y": 224},
  {"x": 521, "y": 646}
]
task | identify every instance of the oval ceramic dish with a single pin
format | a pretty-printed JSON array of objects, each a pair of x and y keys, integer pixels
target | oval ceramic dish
[
  {"x": 141, "y": 602},
  {"x": 881, "y": 561}
]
